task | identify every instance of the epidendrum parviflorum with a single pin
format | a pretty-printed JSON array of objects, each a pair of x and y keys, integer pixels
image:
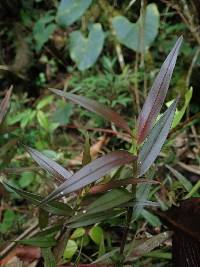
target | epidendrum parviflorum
[{"x": 147, "y": 141}]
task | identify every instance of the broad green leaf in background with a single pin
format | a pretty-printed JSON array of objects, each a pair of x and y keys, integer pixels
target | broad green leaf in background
[
  {"x": 96, "y": 234},
  {"x": 26, "y": 179},
  {"x": 79, "y": 232},
  {"x": 63, "y": 112},
  {"x": 85, "y": 51},
  {"x": 43, "y": 29},
  {"x": 91, "y": 173},
  {"x": 71, "y": 10},
  {"x": 70, "y": 249},
  {"x": 157, "y": 136},
  {"x": 180, "y": 113},
  {"x": 130, "y": 34},
  {"x": 8, "y": 220}
]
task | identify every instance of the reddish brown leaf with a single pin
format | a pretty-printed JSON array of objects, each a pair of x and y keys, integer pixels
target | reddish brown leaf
[
  {"x": 157, "y": 136},
  {"x": 94, "y": 106},
  {"x": 58, "y": 172},
  {"x": 91, "y": 173},
  {"x": 156, "y": 96}
]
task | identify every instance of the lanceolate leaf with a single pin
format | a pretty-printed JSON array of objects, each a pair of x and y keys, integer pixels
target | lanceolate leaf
[
  {"x": 90, "y": 173},
  {"x": 109, "y": 200},
  {"x": 53, "y": 207},
  {"x": 49, "y": 165},
  {"x": 94, "y": 106},
  {"x": 151, "y": 148},
  {"x": 156, "y": 96},
  {"x": 5, "y": 104}
]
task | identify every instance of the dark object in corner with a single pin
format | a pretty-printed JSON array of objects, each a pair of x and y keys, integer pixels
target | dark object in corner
[{"x": 185, "y": 222}]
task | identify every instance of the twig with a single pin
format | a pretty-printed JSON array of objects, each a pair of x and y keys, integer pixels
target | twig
[
  {"x": 28, "y": 232},
  {"x": 192, "y": 66}
]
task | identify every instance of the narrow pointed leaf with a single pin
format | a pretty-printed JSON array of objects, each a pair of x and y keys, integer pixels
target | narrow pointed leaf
[
  {"x": 49, "y": 165},
  {"x": 109, "y": 200},
  {"x": 88, "y": 219},
  {"x": 151, "y": 148},
  {"x": 4, "y": 105},
  {"x": 157, "y": 94},
  {"x": 90, "y": 173},
  {"x": 42, "y": 242},
  {"x": 54, "y": 207},
  {"x": 94, "y": 106}
]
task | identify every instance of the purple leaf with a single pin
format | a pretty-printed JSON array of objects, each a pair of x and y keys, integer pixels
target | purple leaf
[
  {"x": 152, "y": 146},
  {"x": 4, "y": 105},
  {"x": 94, "y": 106},
  {"x": 156, "y": 96},
  {"x": 58, "y": 172},
  {"x": 90, "y": 173}
]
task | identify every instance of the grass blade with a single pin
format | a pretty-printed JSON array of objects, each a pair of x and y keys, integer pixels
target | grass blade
[
  {"x": 151, "y": 148},
  {"x": 156, "y": 96},
  {"x": 94, "y": 106},
  {"x": 49, "y": 165},
  {"x": 90, "y": 173}
]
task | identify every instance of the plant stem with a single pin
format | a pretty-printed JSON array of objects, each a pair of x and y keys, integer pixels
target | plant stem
[{"x": 125, "y": 234}]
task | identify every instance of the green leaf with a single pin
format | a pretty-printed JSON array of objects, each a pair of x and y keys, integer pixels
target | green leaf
[
  {"x": 53, "y": 207},
  {"x": 180, "y": 113},
  {"x": 49, "y": 259},
  {"x": 26, "y": 179},
  {"x": 44, "y": 102},
  {"x": 43, "y": 218},
  {"x": 97, "y": 235},
  {"x": 42, "y": 242},
  {"x": 8, "y": 220},
  {"x": 184, "y": 182},
  {"x": 79, "y": 232},
  {"x": 85, "y": 51},
  {"x": 63, "y": 113},
  {"x": 109, "y": 200},
  {"x": 81, "y": 220},
  {"x": 70, "y": 249},
  {"x": 43, "y": 120},
  {"x": 129, "y": 34},
  {"x": 71, "y": 10},
  {"x": 43, "y": 29},
  {"x": 151, "y": 218}
]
